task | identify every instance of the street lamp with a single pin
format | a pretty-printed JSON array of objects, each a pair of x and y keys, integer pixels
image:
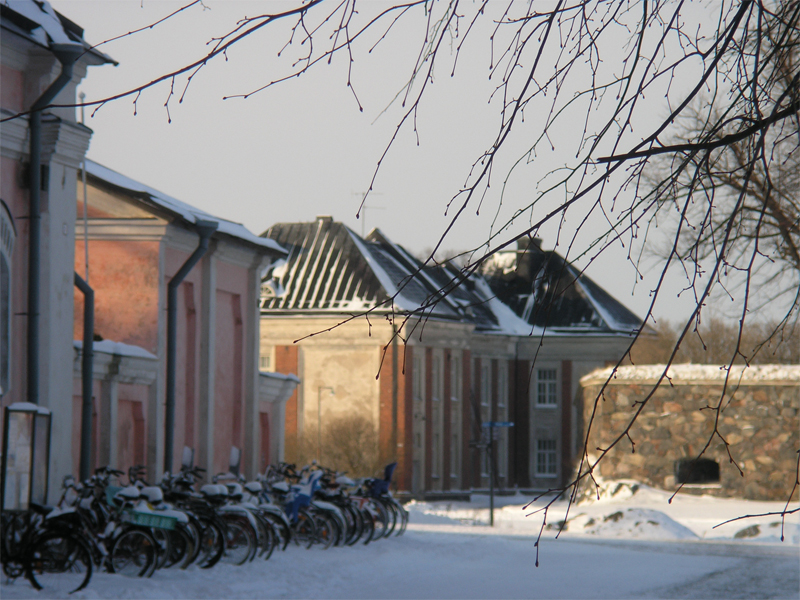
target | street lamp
[{"x": 319, "y": 417}]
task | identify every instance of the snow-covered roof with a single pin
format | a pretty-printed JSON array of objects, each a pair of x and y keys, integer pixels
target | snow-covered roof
[
  {"x": 332, "y": 269},
  {"x": 37, "y": 21},
  {"x": 546, "y": 291},
  {"x": 280, "y": 376},
  {"x": 690, "y": 374},
  {"x": 179, "y": 209},
  {"x": 117, "y": 348}
]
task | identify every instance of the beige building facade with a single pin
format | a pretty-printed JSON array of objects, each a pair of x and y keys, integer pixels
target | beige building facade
[{"x": 459, "y": 361}]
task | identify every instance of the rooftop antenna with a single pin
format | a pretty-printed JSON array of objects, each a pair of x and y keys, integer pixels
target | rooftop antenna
[{"x": 362, "y": 212}]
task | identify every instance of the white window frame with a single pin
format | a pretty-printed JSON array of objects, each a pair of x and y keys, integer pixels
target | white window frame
[
  {"x": 502, "y": 386},
  {"x": 485, "y": 382},
  {"x": 546, "y": 388},
  {"x": 547, "y": 457}
]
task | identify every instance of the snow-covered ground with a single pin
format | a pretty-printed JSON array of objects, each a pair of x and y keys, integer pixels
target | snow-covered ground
[
  {"x": 630, "y": 544},
  {"x": 625, "y": 510}
]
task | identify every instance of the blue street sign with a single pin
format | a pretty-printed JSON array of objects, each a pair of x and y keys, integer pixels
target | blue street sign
[{"x": 497, "y": 424}]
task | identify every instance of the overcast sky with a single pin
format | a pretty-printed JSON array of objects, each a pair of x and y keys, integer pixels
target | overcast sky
[{"x": 304, "y": 148}]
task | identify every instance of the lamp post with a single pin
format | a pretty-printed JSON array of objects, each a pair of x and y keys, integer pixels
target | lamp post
[{"x": 319, "y": 417}]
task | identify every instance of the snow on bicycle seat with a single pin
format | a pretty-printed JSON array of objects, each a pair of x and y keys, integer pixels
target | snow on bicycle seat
[
  {"x": 254, "y": 487},
  {"x": 129, "y": 493},
  {"x": 214, "y": 490},
  {"x": 153, "y": 494},
  {"x": 281, "y": 486}
]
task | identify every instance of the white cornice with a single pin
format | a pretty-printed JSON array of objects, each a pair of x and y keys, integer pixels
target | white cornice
[
  {"x": 64, "y": 142},
  {"x": 131, "y": 230},
  {"x": 239, "y": 255},
  {"x": 181, "y": 238}
]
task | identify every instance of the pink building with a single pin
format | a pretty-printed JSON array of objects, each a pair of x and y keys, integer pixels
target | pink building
[
  {"x": 138, "y": 241},
  {"x": 42, "y": 59}
]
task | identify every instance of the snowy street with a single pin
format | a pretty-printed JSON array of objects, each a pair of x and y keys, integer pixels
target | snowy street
[
  {"x": 426, "y": 564},
  {"x": 630, "y": 544}
]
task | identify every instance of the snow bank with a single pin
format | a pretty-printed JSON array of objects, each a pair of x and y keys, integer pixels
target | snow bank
[
  {"x": 626, "y": 509},
  {"x": 632, "y": 523}
]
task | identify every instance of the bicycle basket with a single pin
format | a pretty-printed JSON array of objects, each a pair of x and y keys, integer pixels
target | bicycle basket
[{"x": 149, "y": 520}]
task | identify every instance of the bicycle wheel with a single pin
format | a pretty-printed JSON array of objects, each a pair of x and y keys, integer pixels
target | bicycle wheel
[
  {"x": 304, "y": 531},
  {"x": 59, "y": 563},
  {"x": 163, "y": 546},
  {"x": 283, "y": 532},
  {"x": 403, "y": 517},
  {"x": 212, "y": 545},
  {"x": 12, "y": 536},
  {"x": 239, "y": 542},
  {"x": 381, "y": 519},
  {"x": 268, "y": 537},
  {"x": 357, "y": 520},
  {"x": 326, "y": 532},
  {"x": 181, "y": 547},
  {"x": 133, "y": 554},
  {"x": 394, "y": 516},
  {"x": 369, "y": 524}
]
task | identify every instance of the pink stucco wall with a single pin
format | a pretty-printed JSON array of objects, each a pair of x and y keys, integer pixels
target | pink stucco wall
[
  {"x": 11, "y": 88},
  {"x": 16, "y": 199},
  {"x": 124, "y": 276},
  {"x": 229, "y": 374},
  {"x": 131, "y": 425}
]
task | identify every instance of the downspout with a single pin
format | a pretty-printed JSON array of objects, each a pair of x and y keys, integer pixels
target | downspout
[
  {"x": 87, "y": 359},
  {"x": 66, "y": 54},
  {"x": 393, "y": 450},
  {"x": 205, "y": 230}
]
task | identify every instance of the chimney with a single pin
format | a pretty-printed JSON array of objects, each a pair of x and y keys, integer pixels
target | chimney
[
  {"x": 526, "y": 248},
  {"x": 325, "y": 218}
]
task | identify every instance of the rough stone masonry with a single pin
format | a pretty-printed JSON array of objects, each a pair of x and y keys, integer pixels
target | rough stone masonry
[{"x": 759, "y": 421}]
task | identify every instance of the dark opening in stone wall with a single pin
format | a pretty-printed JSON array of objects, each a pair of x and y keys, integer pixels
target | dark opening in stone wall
[{"x": 702, "y": 470}]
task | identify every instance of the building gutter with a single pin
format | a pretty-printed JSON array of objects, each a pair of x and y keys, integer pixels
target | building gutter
[
  {"x": 66, "y": 54},
  {"x": 87, "y": 364},
  {"x": 205, "y": 230}
]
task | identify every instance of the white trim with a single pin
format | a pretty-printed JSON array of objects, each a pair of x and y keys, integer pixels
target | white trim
[{"x": 128, "y": 230}]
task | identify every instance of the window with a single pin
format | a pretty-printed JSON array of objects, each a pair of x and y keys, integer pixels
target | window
[
  {"x": 546, "y": 457},
  {"x": 7, "y": 236},
  {"x": 502, "y": 385},
  {"x": 486, "y": 385},
  {"x": 702, "y": 470},
  {"x": 436, "y": 377},
  {"x": 486, "y": 466},
  {"x": 455, "y": 463},
  {"x": 547, "y": 387},
  {"x": 502, "y": 454},
  {"x": 418, "y": 381},
  {"x": 263, "y": 363},
  {"x": 435, "y": 456},
  {"x": 455, "y": 378}
]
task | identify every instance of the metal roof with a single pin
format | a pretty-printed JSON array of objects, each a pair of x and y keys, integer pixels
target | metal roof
[
  {"x": 37, "y": 22},
  {"x": 546, "y": 291},
  {"x": 329, "y": 268},
  {"x": 172, "y": 207}
]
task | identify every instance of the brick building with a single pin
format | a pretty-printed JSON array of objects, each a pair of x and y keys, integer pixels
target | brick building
[{"x": 507, "y": 345}]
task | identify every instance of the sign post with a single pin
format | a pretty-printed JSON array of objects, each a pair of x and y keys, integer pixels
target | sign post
[{"x": 492, "y": 425}]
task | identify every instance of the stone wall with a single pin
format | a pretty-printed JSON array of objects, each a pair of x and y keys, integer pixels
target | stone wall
[{"x": 759, "y": 421}]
